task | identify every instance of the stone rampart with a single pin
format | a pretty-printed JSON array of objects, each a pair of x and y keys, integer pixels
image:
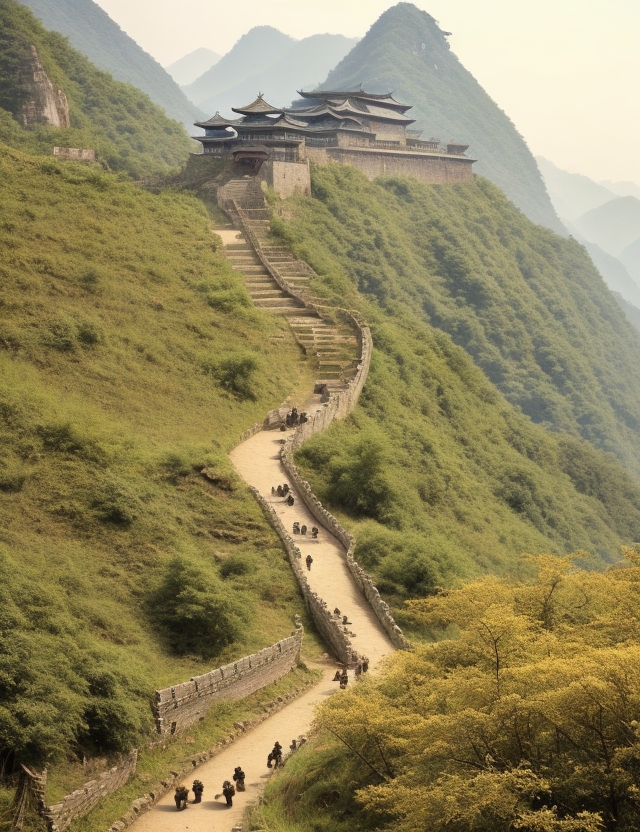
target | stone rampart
[
  {"x": 329, "y": 627},
  {"x": 179, "y": 706},
  {"x": 432, "y": 170},
  {"x": 59, "y": 816},
  {"x": 339, "y": 406}
]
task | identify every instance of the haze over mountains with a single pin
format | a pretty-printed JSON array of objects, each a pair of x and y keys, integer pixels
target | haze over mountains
[
  {"x": 186, "y": 70},
  {"x": 266, "y": 60},
  {"x": 91, "y": 31},
  {"x": 606, "y": 222}
]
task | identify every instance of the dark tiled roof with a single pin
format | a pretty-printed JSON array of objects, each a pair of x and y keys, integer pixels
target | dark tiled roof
[{"x": 259, "y": 106}]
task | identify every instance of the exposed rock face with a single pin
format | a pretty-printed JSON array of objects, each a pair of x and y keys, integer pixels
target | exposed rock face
[{"x": 43, "y": 103}]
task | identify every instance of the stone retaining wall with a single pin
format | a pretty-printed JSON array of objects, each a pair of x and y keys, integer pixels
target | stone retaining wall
[
  {"x": 179, "y": 706},
  {"x": 329, "y": 627},
  {"x": 59, "y": 816}
]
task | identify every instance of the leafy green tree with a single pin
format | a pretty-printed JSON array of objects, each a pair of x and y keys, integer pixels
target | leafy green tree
[{"x": 198, "y": 614}]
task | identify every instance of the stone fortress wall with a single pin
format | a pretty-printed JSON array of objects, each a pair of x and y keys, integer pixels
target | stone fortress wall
[
  {"x": 179, "y": 706},
  {"x": 432, "y": 170},
  {"x": 287, "y": 178}
]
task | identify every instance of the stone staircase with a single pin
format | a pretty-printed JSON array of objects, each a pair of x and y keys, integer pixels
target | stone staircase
[{"x": 279, "y": 283}]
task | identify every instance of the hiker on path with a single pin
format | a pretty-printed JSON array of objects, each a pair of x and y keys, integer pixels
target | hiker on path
[
  {"x": 197, "y": 789},
  {"x": 238, "y": 779},
  {"x": 309, "y": 562},
  {"x": 228, "y": 791},
  {"x": 181, "y": 796}
]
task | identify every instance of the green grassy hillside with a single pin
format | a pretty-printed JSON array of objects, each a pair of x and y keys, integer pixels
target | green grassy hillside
[
  {"x": 130, "y": 359},
  {"x": 93, "y": 33},
  {"x": 406, "y": 52},
  {"x": 481, "y": 322},
  {"x": 128, "y": 132}
]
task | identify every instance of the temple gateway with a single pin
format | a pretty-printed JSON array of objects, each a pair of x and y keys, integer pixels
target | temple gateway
[{"x": 370, "y": 132}]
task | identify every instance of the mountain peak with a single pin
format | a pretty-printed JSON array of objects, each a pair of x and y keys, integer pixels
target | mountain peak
[{"x": 406, "y": 50}]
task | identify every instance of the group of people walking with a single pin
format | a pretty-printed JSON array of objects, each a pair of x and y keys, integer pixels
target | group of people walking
[
  {"x": 283, "y": 491},
  {"x": 181, "y": 795},
  {"x": 298, "y": 529},
  {"x": 294, "y": 418}
]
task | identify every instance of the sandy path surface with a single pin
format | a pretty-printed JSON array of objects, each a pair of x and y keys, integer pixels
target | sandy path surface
[
  {"x": 250, "y": 752},
  {"x": 257, "y": 460}
]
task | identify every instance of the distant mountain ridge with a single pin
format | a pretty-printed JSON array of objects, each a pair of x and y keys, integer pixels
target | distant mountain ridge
[
  {"x": 405, "y": 51},
  {"x": 266, "y": 60},
  {"x": 572, "y": 194},
  {"x": 613, "y": 226},
  {"x": 187, "y": 69},
  {"x": 91, "y": 31}
]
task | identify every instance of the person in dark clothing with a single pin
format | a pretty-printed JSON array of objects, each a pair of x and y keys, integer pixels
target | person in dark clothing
[
  {"x": 309, "y": 562},
  {"x": 197, "y": 789},
  {"x": 238, "y": 778},
  {"x": 181, "y": 796},
  {"x": 228, "y": 791},
  {"x": 290, "y": 500}
]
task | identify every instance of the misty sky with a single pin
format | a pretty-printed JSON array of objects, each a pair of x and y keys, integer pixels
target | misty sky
[{"x": 567, "y": 72}]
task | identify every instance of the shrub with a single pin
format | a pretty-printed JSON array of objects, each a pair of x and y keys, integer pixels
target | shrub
[
  {"x": 235, "y": 374},
  {"x": 195, "y": 613}
]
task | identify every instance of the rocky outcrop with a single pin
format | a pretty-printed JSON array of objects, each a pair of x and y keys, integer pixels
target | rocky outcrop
[{"x": 42, "y": 102}]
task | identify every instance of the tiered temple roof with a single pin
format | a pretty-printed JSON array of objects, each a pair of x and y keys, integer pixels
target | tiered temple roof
[{"x": 347, "y": 118}]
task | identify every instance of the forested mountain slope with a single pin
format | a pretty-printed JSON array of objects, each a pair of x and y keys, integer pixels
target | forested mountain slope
[
  {"x": 130, "y": 360},
  {"x": 128, "y": 132},
  {"x": 93, "y": 33},
  {"x": 406, "y": 52},
  {"x": 440, "y": 475}
]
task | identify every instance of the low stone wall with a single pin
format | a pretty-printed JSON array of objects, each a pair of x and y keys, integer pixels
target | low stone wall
[
  {"x": 329, "y": 627},
  {"x": 59, "y": 816},
  {"x": 179, "y": 706}
]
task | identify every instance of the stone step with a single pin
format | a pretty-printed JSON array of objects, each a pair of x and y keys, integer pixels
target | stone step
[
  {"x": 281, "y": 300},
  {"x": 257, "y": 283},
  {"x": 251, "y": 269},
  {"x": 261, "y": 294}
]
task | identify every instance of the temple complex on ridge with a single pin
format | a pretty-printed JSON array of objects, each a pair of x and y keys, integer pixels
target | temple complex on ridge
[{"x": 370, "y": 132}]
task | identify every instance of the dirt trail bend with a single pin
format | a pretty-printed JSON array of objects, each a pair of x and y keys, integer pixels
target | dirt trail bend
[
  {"x": 250, "y": 752},
  {"x": 258, "y": 462}
]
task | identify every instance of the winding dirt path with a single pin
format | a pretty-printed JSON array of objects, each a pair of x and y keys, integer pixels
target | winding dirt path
[
  {"x": 250, "y": 752},
  {"x": 258, "y": 462}
]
